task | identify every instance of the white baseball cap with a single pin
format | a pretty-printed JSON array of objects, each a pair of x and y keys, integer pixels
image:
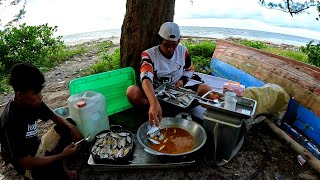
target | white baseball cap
[{"x": 170, "y": 31}]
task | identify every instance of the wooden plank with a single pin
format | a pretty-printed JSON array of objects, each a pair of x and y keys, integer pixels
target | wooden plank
[{"x": 300, "y": 80}]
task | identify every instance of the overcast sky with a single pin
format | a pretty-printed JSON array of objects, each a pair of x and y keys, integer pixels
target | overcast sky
[{"x": 75, "y": 16}]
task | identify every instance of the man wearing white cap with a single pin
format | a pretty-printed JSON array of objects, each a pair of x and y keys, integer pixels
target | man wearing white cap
[{"x": 169, "y": 62}]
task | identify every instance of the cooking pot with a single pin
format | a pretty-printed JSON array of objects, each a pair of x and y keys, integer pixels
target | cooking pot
[{"x": 196, "y": 130}]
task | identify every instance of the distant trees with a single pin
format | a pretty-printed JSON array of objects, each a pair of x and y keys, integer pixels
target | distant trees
[{"x": 292, "y": 7}]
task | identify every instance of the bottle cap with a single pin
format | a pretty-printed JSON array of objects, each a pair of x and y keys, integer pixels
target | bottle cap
[{"x": 81, "y": 104}]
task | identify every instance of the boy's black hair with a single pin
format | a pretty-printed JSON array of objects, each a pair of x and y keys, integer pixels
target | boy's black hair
[{"x": 25, "y": 76}]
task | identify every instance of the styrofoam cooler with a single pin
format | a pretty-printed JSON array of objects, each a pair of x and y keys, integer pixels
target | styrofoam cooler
[{"x": 224, "y": 135}]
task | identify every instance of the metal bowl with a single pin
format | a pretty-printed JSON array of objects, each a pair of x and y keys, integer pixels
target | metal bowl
[
  {"x": 62, "y": 112},
  {"x": 196, "y": 130}
]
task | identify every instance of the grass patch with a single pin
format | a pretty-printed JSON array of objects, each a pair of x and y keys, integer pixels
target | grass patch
[
  {"x": 254, "y": 44},
  {"x": 299, "y": 56},
  {"x": 296, "y": 55},
  {"x": 108, "y": 61},
  {"x": 201, "y": 53},
  {"x": 63, "y": 55}
]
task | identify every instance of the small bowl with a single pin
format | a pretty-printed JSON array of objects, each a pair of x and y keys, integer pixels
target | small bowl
[{"x": 62, "y": 112}]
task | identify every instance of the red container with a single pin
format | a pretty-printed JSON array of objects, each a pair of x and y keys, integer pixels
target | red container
[{"x": 234, "y": 87}]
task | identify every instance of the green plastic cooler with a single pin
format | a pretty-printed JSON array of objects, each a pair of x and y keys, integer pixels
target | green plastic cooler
[{"x": 112, "y": 84}]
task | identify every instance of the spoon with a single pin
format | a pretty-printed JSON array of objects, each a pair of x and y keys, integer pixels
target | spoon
[{"x": 86, "y": 139}]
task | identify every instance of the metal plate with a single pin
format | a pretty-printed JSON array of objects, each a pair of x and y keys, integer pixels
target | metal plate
[
  {"x": 245, "y": 107},
  {"x": 179, "y": 97},
  {"x": 142, "y": 159}
]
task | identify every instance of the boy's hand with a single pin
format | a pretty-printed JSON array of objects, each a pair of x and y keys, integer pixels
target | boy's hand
[
  {"x": 70, "y": 150},
  {"x": 76, "y": 135}
]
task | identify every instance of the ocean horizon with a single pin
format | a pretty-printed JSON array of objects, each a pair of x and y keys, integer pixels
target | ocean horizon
[{"x": 196, "y": 31}]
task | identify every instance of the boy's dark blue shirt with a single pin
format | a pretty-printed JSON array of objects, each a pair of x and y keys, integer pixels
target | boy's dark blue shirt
[{"x": 19, "y": 131}]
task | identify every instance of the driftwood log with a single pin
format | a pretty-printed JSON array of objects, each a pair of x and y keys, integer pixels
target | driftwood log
[{"x": 311, "y": 159}]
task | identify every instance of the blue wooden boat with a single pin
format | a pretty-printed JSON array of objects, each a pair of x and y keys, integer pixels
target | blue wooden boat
[{"x": 253, "y": 68}]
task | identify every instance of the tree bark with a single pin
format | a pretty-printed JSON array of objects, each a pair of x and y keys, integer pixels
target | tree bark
[{"x": 141, "y": 24}]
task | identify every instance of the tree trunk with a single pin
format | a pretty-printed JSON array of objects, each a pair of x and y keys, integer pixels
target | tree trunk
[{"x": 141, "y": 23}]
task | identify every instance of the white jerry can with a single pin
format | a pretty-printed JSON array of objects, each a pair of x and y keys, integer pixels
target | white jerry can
[{"x": 88, "y": 110}]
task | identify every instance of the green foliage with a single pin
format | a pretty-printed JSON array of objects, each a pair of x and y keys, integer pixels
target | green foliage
[
  {"x": 4, "y": 85},
  {"x": 105, "y": 46},
  {"x": 33, "y": 44},
  {"x": 201, "y": 64},
  {"x": 202, "y": 49},
  {"x": 313, "y": 52},
  {"x": 107, "y": 63},
  {"x": 200, "y": 53},
  {"x": 65, "y": 54},
  {"x": 299, "y": 56},
  {"x": 254, "y": 44}
]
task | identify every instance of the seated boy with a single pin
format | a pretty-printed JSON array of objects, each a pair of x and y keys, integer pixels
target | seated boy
[{"x": 20, "y": 145}]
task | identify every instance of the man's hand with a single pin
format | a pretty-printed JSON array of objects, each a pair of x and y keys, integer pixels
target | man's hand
[
  {"x": 179, "y": 84},
  {"x": 155, "y": 114},
  {"x": 70, "y": 150}
]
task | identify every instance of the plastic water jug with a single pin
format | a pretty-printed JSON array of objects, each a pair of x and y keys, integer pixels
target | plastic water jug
[{"x": 88, "y": 110}]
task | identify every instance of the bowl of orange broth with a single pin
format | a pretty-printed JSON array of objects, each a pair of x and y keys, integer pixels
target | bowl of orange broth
[{"x": 179, "y": 137}]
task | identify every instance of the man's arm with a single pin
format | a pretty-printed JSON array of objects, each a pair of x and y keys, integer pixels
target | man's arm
[
  {"x": 155, "y": 111},
  {"x": 146, "y": 77},
  {"x": 188, "y": 69},
  {"x": 76, "y": 135},
  {"x": 29, "y": 162}
]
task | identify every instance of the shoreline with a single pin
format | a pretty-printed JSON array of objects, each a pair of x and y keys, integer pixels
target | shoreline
[{"x": 116, "y": 41}]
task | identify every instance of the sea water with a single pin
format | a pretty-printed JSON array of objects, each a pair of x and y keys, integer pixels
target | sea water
[{"x": 209, "y": 32}]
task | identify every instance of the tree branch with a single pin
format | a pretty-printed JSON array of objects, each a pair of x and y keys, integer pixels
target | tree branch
[
  {"x": 19, "y": 15},
  {"x": 291, "y": 7}
]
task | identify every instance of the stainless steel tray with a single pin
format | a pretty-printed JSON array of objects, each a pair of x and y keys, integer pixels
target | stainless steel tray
[
  {"x": 177, "y": 96},
  {"x": 245, "y": 107},
  {"x": 142, "y": 159}
]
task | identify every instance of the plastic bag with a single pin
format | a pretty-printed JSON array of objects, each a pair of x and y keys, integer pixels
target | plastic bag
[{"x": 272, "y": 101}]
